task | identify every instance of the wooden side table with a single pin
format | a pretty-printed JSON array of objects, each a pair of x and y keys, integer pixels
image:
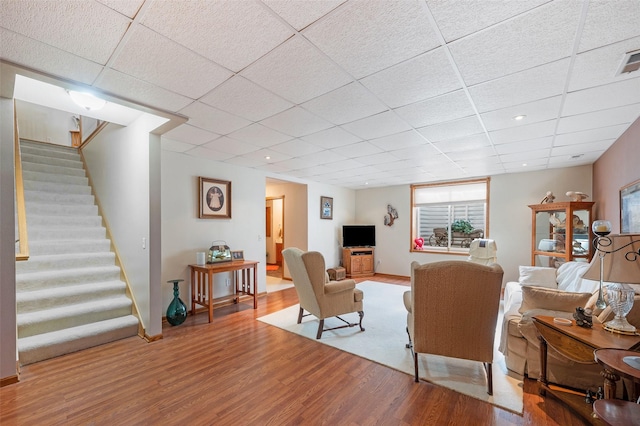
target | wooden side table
[
  {"x": 614, "y": 367},
  {"x": 616, "y": 412},
  {"x": 577, "y": 344}
]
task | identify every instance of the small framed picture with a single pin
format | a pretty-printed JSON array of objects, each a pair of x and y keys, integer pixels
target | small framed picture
[
  {"x": 214, "y": 200},
  {"x": 237, "y": 255},
  {"x": 326, "y": 207},
  {"x": 630, "y": 208}
]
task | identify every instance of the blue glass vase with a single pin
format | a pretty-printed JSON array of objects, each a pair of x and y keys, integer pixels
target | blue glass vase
[{"x": 177, "y": 310}]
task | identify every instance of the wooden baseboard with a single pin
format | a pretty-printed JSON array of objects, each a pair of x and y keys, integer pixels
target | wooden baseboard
[{"x": 6, "y": 381}]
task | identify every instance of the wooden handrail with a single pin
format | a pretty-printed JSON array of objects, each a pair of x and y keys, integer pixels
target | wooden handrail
[{"x": 23, "y": 239}]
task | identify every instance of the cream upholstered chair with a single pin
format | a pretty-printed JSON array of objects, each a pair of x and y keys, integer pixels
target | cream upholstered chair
[
  {"x": 452, "y": 311},
  {"x": 483, "y": 251},
  {"x": 319, "y": 296}
]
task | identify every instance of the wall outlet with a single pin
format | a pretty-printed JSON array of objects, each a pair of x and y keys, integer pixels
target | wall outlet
[{"x": 227, "y": 282}]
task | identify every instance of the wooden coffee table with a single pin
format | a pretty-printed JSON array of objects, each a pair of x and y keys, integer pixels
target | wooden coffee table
[{"x": 577, "y": 344}]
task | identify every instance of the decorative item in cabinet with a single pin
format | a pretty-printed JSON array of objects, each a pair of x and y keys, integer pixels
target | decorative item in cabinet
[{"x": 561, "y": 232}]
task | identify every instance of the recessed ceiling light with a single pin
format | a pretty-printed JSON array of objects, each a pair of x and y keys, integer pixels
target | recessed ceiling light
[
  {"x": 267, "y": 158},
  {"x": 519, "y": 117},
  {"x": 524, "y": 164},
  {"x": 86, "y": 100}
]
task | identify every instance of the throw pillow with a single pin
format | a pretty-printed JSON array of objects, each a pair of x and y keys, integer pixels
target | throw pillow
[
  {"x": 551, "y": 299},
  {"x": 537, "y": 276}
]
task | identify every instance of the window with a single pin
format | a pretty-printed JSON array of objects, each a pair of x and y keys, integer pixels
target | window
[{"x": 448, "y": 216}]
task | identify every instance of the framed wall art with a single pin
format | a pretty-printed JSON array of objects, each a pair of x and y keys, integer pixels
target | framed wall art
[
  {"x": 326, "y": 207},
  {"x": 214, "y": 198},
  {"x": 630, "y": 208},
  {"x": 237, "y": 255}
]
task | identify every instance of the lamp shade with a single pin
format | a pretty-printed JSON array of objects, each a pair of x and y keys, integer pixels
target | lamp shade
[{"x": 617, "y": 267}]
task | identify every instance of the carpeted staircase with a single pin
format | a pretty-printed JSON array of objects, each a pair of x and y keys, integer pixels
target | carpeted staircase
[{"x": 69, "y": 293}]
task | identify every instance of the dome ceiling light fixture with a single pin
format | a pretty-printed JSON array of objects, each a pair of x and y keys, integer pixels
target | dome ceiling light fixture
[
  {"x": 86, "y": 100},
  {"x": 519, "y": 117}
]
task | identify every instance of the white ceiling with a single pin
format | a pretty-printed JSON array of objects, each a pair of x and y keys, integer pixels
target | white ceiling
[{"x": 353, "y": 93}]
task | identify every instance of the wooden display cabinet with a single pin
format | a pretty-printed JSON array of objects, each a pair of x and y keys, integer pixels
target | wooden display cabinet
[
  {"x": 561, "y": 232},
  {"x": 358, "y": 261}
]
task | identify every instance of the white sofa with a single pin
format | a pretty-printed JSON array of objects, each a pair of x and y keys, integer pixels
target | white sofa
[{"x": 547, "y": 291}]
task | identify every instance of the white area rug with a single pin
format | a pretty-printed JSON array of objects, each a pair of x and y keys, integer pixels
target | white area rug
[{"x": 384, "y": 340}]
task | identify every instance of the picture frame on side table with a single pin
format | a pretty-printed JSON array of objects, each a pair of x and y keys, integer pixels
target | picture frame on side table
[
  {"x": 630, "y": 208},
  {"x": 326, "y": 207},
  {"x": 237, "y": 255},
  {"x": 214, "y": 198}
]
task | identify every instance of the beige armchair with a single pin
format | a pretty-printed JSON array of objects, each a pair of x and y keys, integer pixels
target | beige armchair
[
  {"x": 452, "y": 311},
  {"x": 319, "y": 296}
]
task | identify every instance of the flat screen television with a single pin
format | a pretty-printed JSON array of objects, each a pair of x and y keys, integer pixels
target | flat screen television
[{"x": 358, "y": 235}]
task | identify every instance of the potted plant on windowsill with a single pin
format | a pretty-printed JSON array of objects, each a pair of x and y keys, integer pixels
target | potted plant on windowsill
[{"x": 461, "y": 228}]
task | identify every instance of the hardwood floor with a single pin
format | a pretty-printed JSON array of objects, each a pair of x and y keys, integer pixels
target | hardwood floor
[{"x": 240, "y": 371}]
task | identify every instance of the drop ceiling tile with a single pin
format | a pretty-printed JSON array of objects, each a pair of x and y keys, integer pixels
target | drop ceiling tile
[
  {"x": 331, "y": 138},
  {"x": 231, "y": 146},
  {"x": 377, "y": 126},
  {"x": 36, "y": 55},
  {"x": 296, "y": 71},
  {"x": 245, "y": 99},
  {"x": 524, "y": 132},
  {"x": 437, "y": 110},
  {"x": 524, "y": 146},
  {"x": 345, "y": 104},
  {"x": 296, "y": 122},
  {"x": 174, "y": 146},
  {"x": 302, "y": 13},
  {"x": 609, "y": 21},
  {"x": 128, "y": 87},
  {"x": 612, "y": 95},
  {"x": 573, "y": 149},
  {"x": 526, "y": 157},
  {"x": 526, "y": 86},
  {"x": 543, "y": 35},
  {"x": 452, "y": 129},
  {"x": 128, "y": 8},
  {"x": 151, "y": 57},
  {"x": 423, "y": 77},
  {"x": 190, "y": 134},
  {"x": 87, "y": 29},
  {"x": 263, "y": 153},
  {"x": 324, "y": 157},
  {"x": 542, "y": 110},
  {"x": 457, "y": 19},
  {"x": 273, "y": 168},
  {"x": 339, "y": 166},
  {"x": 296, "y": 148},
  {"x": 463, "y": 144},
  {"x": 200, "y": 152},
  {"x": 600, "y": 66},
  {"x": 374, "y": 159},
  {"x": 407, "y": 139},
  {"x": 246, "y": 162},
  {"x": 367, "y": 36},
  {"x": 470, "y": 154},
  {"x": 424, "y": 152},
  {"x": 570, "y": 161},
  {"x": 231, "y": 33},
  {"x": 295, "y": 164},
  {"x": 259, "y": 135},
  {"x": 612, "y": 132},
  {"x": 608, "y": 117},
  {"x": 357, "y": 150},
  {"x": 530, "y": 165},
  {"x": 212, "y": 119}
]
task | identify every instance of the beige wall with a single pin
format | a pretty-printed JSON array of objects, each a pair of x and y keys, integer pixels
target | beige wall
[{"x": 616, "y": 168}]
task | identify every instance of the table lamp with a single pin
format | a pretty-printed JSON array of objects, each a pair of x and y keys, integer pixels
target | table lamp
[{"x": 618, "y": 263}]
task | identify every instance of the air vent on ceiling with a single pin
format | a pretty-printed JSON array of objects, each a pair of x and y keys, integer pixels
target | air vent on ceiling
[{"x": 630, "y": 62}]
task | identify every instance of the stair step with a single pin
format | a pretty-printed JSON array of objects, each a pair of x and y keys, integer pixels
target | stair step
[
  {"x": 37, "y": 233},
  {"x": 60, "y": 198},
  {"x": 46, "y": 321},
  {"x": 54, "y": 187},
  {"x": 44, "y": 346},
  {"x": 38, "y": 176},
  {"x": 44, "y": 247},
  {"x": 67, "y": 153},
  {"x": 60, "y": 210},
  {"x": 30, "y": 301},
  {"x": 52, "y": 161},
  {"x": 52, "y": 169},
  {"x": 31, "y": 281},
  {"x": 47, "y": 146},
  {"x": 65, "y": 261},
  {"x": 81, "y": 221}
]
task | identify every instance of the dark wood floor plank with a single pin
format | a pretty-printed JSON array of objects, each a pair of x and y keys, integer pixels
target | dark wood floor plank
[{"x": 236, "y": 370}]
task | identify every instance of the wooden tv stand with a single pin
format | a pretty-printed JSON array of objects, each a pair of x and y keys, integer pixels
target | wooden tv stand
[{"x": 358, "y": 261}]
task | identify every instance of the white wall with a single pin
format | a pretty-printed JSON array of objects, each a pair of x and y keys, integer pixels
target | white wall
[
  {"x": 509, "y": 217},
  {"x": 8, "y": 348},
  {"x": 44, "y": 124},
  {"x": 119, "y": 163}
]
